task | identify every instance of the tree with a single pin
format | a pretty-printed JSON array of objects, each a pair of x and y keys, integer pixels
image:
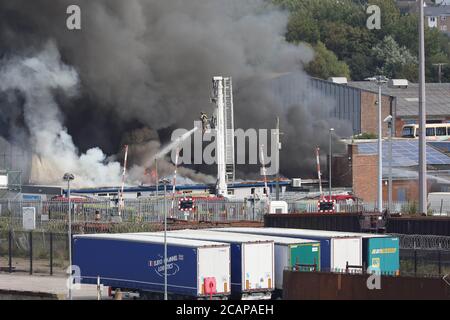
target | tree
[
  {"x": 394, "y": 61},
  {"x": 302, "y": 27},
  {"x": 326, "y": 64}
]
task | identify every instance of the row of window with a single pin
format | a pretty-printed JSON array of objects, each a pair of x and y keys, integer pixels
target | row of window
[{"x": 439, "y": 131}]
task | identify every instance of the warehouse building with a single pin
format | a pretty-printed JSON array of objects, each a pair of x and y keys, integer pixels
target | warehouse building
[
  {"x": 405, "y": 102},
  {"x": 341, "y": 101},
  {"x": 356, "y": 102}
]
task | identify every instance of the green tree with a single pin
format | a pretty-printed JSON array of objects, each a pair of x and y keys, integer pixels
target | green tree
[
  {"x": 302, "y": 27},
  {"x": 394, "y": 61},
  {"x": 326, "y": 64}
]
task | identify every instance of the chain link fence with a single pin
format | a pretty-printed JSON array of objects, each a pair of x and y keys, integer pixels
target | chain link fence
[
  {"x": 53, "y": 215},
  {"x": 45, "y": 249}
]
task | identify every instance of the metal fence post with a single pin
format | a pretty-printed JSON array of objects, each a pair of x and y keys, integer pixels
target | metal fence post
[
  {"x": 415, "y": 262},
  {"x": 439, "y": 263},
  {"x": 10, "y": 250},
  {"x": 51, "y": 253},
  {"x": 31, "y": 251}
]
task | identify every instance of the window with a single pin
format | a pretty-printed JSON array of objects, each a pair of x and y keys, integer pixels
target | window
[
  {"x": 441, "y": 131},
  {"x": 230, "y": 192},
  {"x": 448, "y": 131},
  {"x": 408, "y": 132},
  {"x": 401, "y": 194},
  {"x": 431, "y": 132}
]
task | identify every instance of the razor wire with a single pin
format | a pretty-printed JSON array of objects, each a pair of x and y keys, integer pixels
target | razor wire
[{"x": 423, "y": 242}]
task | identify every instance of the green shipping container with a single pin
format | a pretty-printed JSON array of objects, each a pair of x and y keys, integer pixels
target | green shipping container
[
  {"x": 305, "y": 254},
  {"x": 382, "y": 254},
  {"x": 291, "y": 252}
]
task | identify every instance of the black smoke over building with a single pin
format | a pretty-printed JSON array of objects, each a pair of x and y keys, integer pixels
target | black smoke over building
[{"x": 75, "y": 96}]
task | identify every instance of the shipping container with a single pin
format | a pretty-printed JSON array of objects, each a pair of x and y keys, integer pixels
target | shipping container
[
  {"x": 136, "y": 263},
  {"x": 252, "y": 261},
  {"x": 381, "y": 252},
  {"x": 336, "y": 251},
  {"x": 291, "y": 253}
]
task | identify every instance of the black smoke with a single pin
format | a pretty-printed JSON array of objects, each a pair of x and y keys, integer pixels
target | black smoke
[{"x": 148, "y": 64}]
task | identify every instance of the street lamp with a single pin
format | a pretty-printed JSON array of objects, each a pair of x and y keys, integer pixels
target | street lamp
[
  {"x": 389, "y": 122},
  {"x": 165, "y": 182},
  {"x": 379, "y": 80},
  {"x": 422, "y": 115},
  {"x": 330, "y": 161},
  {"x": 69, "y": 177}
]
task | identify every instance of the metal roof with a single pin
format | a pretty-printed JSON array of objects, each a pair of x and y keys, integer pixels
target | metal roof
[
  {"x": 437, "y": 11},
  {"x": 405, "y": 153},
  {"x": 407, "y": 99},
  {"x": 211, "y": 236},
  {"x": 235, "y": 185},
  {"x": 292, "y": 232},
  {"x": 304, "y": 231},
  {"x": 276, "y": 239},
  {"x": 148, "y": 238}
]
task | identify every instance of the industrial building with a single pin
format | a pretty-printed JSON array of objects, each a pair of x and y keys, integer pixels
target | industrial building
[
  {"x": 358, "y": 168},
  {"x": 356, "y": 101},
  {"x": 236, "y": 190},
  {"x": 404, "y": 105}
]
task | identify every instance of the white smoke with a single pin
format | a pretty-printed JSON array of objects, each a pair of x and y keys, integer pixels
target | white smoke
[{"x": 37, "y": 78}]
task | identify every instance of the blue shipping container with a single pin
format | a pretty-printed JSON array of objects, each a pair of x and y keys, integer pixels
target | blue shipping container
[{"x": 136, "y": 263}]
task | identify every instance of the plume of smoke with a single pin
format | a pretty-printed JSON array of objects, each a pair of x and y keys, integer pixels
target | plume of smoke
[
  {"x": 36, "y": 78},
  {"x": 149, "y": 63}
]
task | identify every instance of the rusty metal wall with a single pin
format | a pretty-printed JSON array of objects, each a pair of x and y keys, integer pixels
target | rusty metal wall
[
  {"x": 332, "y": 286},
  {"x": 351, "y": 222},
  {"x": 321, "y": 221},
  {"x": 439, "y": 226}
]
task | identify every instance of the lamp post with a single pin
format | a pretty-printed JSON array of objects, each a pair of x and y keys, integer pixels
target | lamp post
[
  {"x": 389, "y": 122},
  {"x": 165, "y": 182},
  {"x": 69, "y": 177},
  {"x": 422, "y": 116},
  {"x": 330, "y": 161},
  {"x": 379, "y": 80}
]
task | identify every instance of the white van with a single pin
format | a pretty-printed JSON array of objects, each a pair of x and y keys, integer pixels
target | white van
[{"x": 439, "y": 203}]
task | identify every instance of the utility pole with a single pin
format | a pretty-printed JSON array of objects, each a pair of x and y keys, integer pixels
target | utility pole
[
  {"x": 439, "y": 65},
  {"x": 422, "y": 116},
  {"x": 329, "y": 164},
  {"x": 69, "y": 177},
  {"x": 379, "y": 80},
  {"x": 277, "y": 159},
  {"x": 165, "y": 182},
  {"x": 390, "y": 122}
]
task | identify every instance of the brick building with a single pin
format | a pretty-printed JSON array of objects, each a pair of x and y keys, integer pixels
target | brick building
[
  {"x": 403, "y": 103},
  {"x": 359, "y": 169}
]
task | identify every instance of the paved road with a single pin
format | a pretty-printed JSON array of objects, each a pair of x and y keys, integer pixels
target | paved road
[{"x": 17, "y": 286}]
